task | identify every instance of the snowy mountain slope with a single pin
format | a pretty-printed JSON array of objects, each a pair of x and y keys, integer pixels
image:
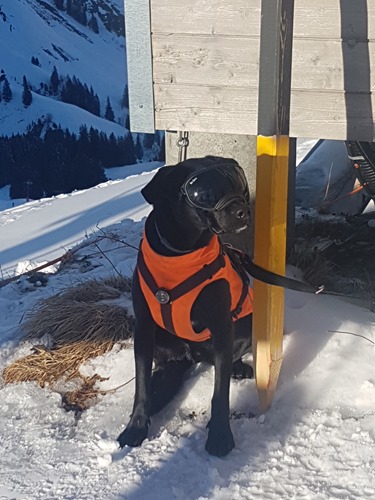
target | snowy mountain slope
[
  {"x": 37, "y": 29},
  {"x": 317, "y": 442},
  {"x": 65, "y": 115}
]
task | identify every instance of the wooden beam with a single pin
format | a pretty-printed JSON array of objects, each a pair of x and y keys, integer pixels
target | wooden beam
[
  {"x": 272, "y": 190},
  {"x": 139, "y": 62},
  {"x": 269, "y": 253}
]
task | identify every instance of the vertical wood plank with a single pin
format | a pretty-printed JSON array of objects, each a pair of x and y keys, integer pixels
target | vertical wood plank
[
  {"x": 139, "y": 61},
  {"x": 269, "y": 253},
  {"x": 272, "y": 190}
]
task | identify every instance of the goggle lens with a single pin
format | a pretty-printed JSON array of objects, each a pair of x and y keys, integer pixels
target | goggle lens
[{"x": 210, "y": 188}]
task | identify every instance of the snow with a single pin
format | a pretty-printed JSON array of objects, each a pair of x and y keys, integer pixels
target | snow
[
  {"x": 315, "y": 442},
  {"x": 71, "y": 216}
]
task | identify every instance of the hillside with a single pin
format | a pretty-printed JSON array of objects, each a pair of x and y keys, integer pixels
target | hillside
[{"x": 36, "y": 37}]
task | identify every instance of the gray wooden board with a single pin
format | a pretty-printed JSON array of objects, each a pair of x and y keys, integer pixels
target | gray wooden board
[
  {"x": 139, "y": 60},
  {"x": 208, "y": 60},
  {"x": 332, "y": 115},
  {"x": 210, "y": 17},
  {"x": 206, "y": 108},
  {"x": 314, "y": 114},
  {"x": 234, "y": 61},
  {"x": 320, "y": 65},
  {"x": 328, "y": 19},
  {"x": 335, "y": 19}
]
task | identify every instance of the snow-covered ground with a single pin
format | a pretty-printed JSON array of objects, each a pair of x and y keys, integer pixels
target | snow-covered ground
[
  {"x": 317, "y": 441},
  {"x": 70, "y": 216}
]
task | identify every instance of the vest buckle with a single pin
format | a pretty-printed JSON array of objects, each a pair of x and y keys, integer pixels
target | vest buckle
[{"x": 162, "y": 296}]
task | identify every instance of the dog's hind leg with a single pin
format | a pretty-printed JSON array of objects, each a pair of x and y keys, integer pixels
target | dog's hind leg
[
  {"x": 166, "y": 381},
  {"x": 242, "y": 346}
]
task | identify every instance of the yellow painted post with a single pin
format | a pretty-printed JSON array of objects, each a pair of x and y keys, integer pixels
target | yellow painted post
[
  {"x": 269, "y": 253},
  {"x": 271, "y": 200}
]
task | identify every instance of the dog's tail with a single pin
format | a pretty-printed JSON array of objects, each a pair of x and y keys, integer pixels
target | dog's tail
[{"x": 166, "y": 382}]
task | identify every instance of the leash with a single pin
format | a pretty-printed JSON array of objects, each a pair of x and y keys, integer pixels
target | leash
[{"x": 270, "y": 277}]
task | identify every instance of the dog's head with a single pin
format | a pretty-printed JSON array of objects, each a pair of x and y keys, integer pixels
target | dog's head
[{"x": 211, "y": 192}]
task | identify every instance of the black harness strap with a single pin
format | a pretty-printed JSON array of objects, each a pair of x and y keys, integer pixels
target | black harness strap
[
  {"x": 166, "y": 310},
  {"x": 204, "y": 274},
  {"x": 166, "y": 297},
  {"x": 244, "y": 292},
  {"x": 236, "y": 261}
]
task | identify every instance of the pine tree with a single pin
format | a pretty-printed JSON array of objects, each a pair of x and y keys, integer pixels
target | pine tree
[
  {"x": 54, "y": 81},
  {"x": 109, "y": 114},
  {"x": 96, "y": 105},
  {"x": 77, "y": 10},
  {"x": 138, "y": 148},
  {"x": 93, "y": 24},
  {"x": 59, "y": 4},
  {"x": 161, "y": 156},
  {"x": 35, "y": 61},
  {"x": 127, "y": 122},
  {"x": 125, "y": 98},
  {"x": 148, "y": 140},
  {"x": 129, "y": 157},
  {"x": 7, "y": 92},
  {"x": 26, "y": 93},
  {"x": 82, "y": 16},
  {"x": 94, "y": 142},
  {"x": 83, "y": 145}
]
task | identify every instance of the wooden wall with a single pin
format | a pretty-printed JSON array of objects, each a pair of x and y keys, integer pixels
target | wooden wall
[{"x": 205, "y": 60}]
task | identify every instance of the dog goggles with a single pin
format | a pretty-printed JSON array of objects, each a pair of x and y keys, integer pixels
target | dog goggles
[{"x": 216, "y": 186}]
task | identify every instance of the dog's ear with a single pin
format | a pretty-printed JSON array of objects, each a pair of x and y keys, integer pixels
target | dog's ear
[{"x": 156, "y": 187}]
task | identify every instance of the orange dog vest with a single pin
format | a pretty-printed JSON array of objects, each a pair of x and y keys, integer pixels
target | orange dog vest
[{"x": 172, "y": 284}]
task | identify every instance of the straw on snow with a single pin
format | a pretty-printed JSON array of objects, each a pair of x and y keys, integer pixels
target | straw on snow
[{"x": 80, "y": 327}]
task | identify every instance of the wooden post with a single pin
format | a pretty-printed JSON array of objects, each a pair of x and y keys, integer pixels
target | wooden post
[
  {"x": 272, "y": 190},
  {"x": 139, "y": 62}
]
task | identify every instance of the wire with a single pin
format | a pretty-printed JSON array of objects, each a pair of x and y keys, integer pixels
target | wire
[{"x": 354, "y": 334}]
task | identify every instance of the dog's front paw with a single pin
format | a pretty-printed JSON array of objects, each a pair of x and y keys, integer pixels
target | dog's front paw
[
  {"x": 134, "y": 434},
  {"x": 220, "y": 441}
]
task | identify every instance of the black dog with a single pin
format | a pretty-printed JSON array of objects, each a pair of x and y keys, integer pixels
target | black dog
[{"x": 194, "y": 202}]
